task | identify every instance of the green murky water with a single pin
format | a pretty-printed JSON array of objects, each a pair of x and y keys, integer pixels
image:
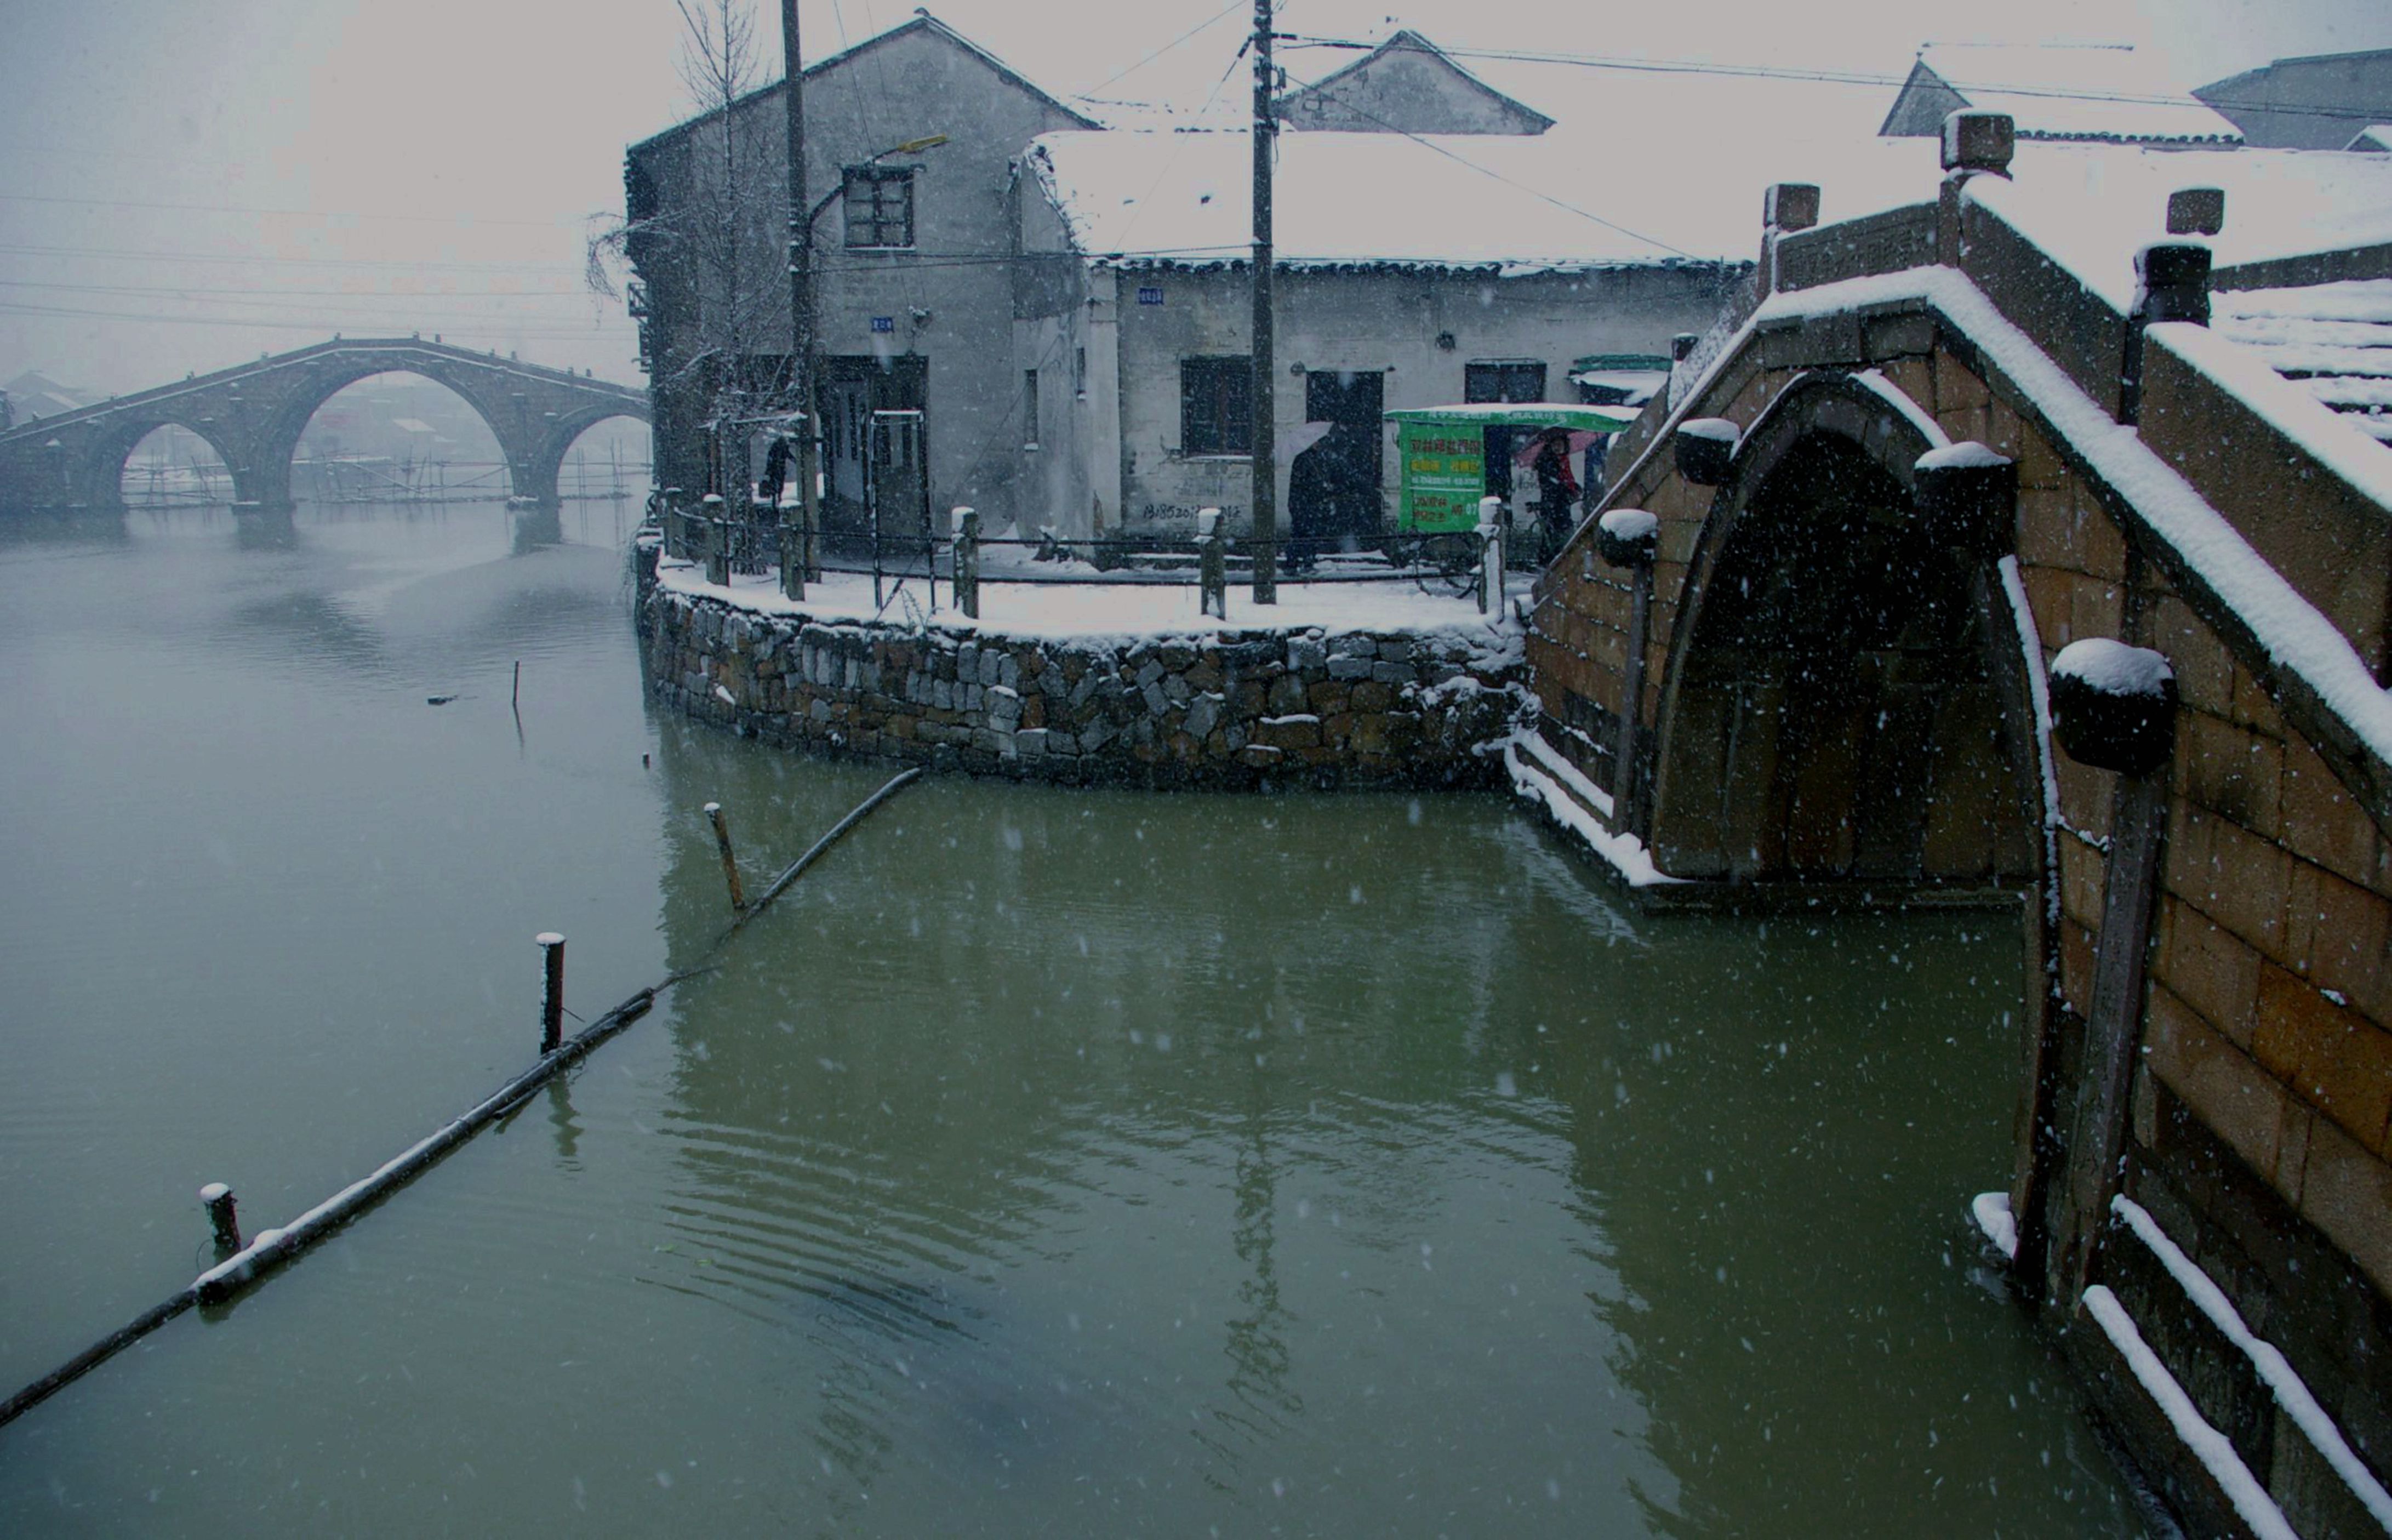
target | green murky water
[{"x": 1046, "y": 1162}]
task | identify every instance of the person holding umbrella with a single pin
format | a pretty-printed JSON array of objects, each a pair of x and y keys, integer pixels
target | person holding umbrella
[{"x": 1556, "y": 488}]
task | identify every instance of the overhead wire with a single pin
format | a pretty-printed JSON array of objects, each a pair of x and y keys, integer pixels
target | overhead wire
[
  {"x": 1638, "y": 65},
  {"x": 463, "y": 221},
  {"x": 1089, "y": 95}
]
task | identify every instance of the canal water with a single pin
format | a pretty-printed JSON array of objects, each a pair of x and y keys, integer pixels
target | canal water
[{"x": 1046, "y": 1162}]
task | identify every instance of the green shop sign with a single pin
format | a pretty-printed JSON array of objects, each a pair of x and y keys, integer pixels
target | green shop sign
[{"x": 1443, "y": 453}]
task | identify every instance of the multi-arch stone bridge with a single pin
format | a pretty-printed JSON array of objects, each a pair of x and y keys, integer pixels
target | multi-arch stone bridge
[{"x": 252, "y": 414}]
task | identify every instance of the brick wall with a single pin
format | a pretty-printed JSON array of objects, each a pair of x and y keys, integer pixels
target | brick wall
[{"x": 2262, "y": 1107}]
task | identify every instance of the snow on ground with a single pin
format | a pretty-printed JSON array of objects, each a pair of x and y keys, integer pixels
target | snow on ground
[{"x": 1089, "y": 609}]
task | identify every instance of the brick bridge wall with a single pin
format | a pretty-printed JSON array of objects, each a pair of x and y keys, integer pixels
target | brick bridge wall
[{"x": 2260, "y": 1110}]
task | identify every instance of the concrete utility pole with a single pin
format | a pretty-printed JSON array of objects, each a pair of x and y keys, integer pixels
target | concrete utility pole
[
  {"x": 801, "y": 278},
  {"x": 1266, "y": 493}
]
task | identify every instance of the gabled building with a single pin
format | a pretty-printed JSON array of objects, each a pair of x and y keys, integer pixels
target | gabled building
[
  {"x": 2318, "y": 102},
  {"x": 1451, "y": 279},
  {"x": 1407, "y": 84},
  {"x": 914, "y": 296},
  {"x": 2105, "y": 93}
]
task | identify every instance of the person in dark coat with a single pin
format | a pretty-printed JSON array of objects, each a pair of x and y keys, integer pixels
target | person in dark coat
[{"x": 1556, "y": 488}]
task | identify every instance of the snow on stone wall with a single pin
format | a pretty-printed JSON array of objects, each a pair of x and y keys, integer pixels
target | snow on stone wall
[{"x": 1234, "y": 708}]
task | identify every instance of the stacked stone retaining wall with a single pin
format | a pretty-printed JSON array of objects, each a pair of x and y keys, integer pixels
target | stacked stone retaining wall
[{"x": 1229, "y": 709}]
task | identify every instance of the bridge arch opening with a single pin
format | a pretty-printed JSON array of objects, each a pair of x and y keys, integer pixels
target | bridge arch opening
[
  {"x": 1840, "y": 703},
  {"x": 603, "y": 457},
  {"x": 396, "y": 435},
  {"x": 170, "y": 466}
]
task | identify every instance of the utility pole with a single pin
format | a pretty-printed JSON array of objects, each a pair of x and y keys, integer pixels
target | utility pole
[
  {"x": 802, "y": 281},
  {"x": 1266, "y": 487}
]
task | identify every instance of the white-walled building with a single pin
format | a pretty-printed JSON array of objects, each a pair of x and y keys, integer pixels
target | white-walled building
[{"x": 1411, "y": 271}]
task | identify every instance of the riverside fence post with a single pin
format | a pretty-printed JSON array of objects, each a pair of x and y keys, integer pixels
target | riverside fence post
[
  {"x": 552, "y": 1003},
  {"x": 718, "y": 541},
  {"x": 222, "y": 1217},
  {"x": 793, "y": 557},
  {"x": 1490, "y": 555},
  {"x": 1212, "y": 565},
  {"x": 967, "y": 578},
  {"x": 721, "y": 823}
]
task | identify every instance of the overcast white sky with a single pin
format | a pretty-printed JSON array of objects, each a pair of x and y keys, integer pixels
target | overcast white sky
[{"x": 184, "y": 185}]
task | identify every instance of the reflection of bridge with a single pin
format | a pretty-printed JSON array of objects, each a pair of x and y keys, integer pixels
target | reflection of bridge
[{"x": 253, "y": 415}]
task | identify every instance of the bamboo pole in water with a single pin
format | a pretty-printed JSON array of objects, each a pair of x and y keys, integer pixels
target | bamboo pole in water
[{"x": 270, "y": 1249}]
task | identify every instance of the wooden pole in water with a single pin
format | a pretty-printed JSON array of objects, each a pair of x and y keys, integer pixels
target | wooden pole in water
[
  {"x": 222, "y": 1217},
  {"x": 515, "y": 698},
  {"x": 271, "y": 1248},
  {"x": 551, "y": 1001},
  {"x": 730, "y": 863}
]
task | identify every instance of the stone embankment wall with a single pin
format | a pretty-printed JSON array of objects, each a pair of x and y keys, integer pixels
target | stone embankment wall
[{"x": 1230, "y": 708}]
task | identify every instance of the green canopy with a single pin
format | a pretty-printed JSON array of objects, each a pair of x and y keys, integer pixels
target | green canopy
[
  {"x": 1521, "y": 414},
  {"x": 1443, "y": 453}
]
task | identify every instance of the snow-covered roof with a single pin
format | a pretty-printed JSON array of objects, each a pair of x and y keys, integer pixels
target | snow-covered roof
[
  {"x": 2075, "y": 92},
  {"x": 922, "y": 22},
  {"x": 1464, "y": 201}
]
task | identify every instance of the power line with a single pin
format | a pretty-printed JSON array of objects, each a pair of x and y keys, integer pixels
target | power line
[
  {"x": 464, "y": 221},
  {"x": 1089, "y": 95},
  {"x": 1537, "y": 193},
  {"x": 122, "y": 254},
  {"x": 547, "y": 330},
  {"x": 1846, "y": 77},
  {"x": 278, "y": 295}
]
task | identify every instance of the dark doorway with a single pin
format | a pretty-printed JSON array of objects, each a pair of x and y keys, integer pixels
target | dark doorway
[
  {"x": 1332, "y": 488},
  {"x": 853, "y": 388},
  {"x": 1507, "y": 380},
  {"x": 1836, "y": 714}
]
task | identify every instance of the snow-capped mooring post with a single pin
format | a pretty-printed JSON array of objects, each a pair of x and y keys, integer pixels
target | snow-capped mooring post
[
  {"x": 2113, "y": 707},
  {"x": 224, "y": 1219},
  {"x": 722, "y": 822}
]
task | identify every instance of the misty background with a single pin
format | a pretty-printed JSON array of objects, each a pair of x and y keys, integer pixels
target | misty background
[{"x": 186, "y": 187}]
